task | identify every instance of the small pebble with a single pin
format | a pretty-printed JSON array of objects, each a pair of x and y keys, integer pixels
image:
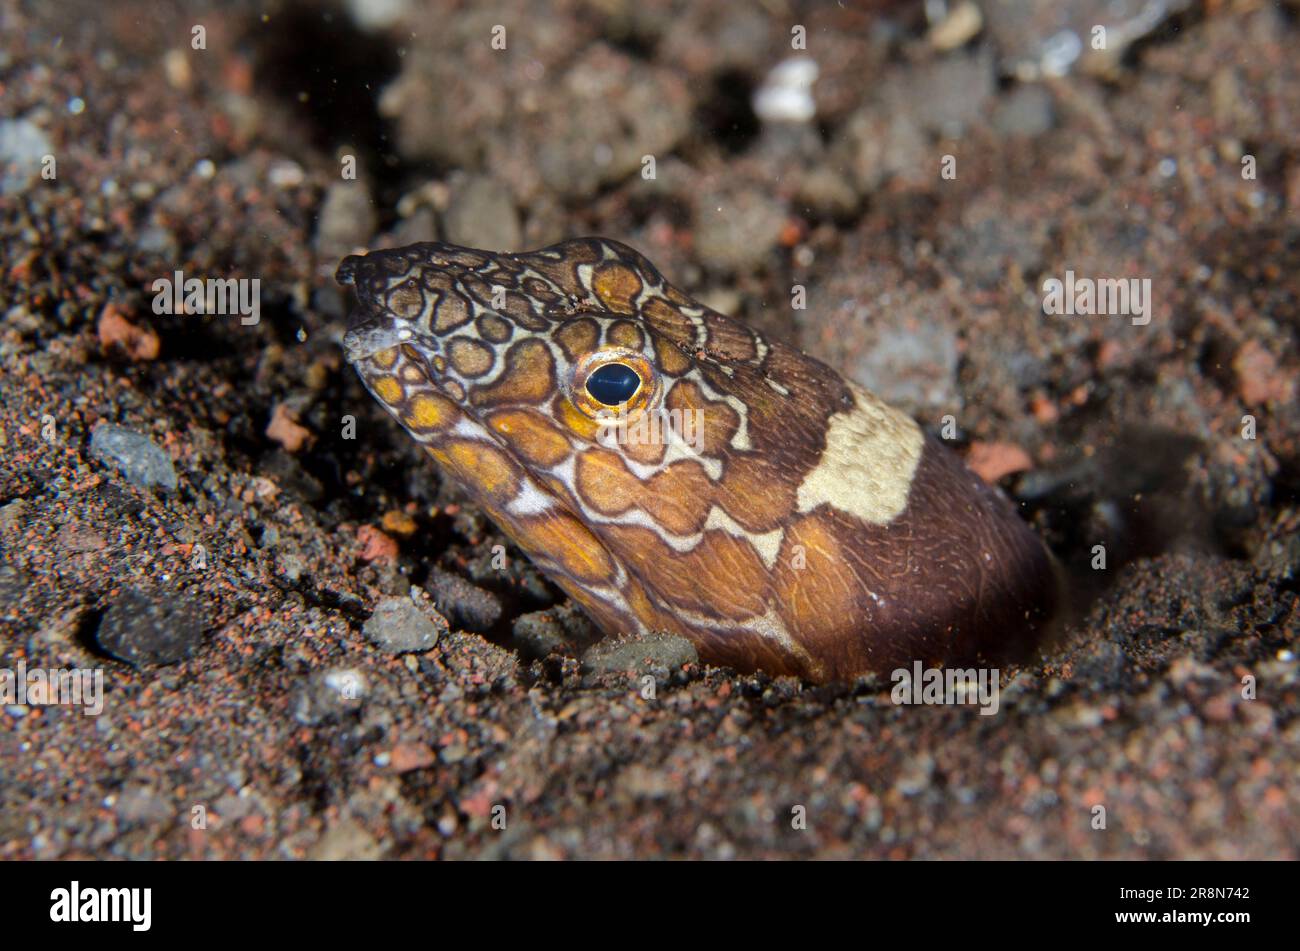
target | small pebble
[
  {"x": 345, "y": 840},
  {"x": 786, "y": 93},
  {"x": 960, "y": 25},
  {"x": 347, "y": 219},
  {"x": 558, "y": 630},
  {"x": 142, "y": 805},
  {"x": 1027, "y": 111},
  {"x": 138, "y": 457},
  {"x": 639, "y": 653},
  {"x": 482, "y": 214},
  {"x": 465, "y": 605},
  {"x": 23, "y": 145},
  {"x": 398, "y": 626},
  {"x": 140, "y": 628},
  {"x": 326, "y": 695},
  {"x": 408, "y": 757},
  {"x": 916, "y": 775}
]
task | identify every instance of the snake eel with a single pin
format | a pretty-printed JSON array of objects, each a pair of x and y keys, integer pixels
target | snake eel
[{"x": 672, "y": 469}]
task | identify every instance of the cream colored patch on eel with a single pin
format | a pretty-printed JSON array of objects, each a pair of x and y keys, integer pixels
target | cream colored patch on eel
[{"x": 872, "y": 451}]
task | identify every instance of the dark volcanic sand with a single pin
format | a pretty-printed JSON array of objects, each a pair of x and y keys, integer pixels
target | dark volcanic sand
[{"x": 299, "y": 735}]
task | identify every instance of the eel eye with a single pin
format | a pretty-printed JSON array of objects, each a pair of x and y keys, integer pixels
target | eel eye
[{"x": 613, "y": 383}]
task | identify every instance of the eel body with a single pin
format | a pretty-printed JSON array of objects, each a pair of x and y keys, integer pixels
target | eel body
[{"x": 672, "y": 469}]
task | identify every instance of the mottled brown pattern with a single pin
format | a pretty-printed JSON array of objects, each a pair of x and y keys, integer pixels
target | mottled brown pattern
[
  {"x": 722, "y": 575},
  {"x": 469, "y": 357},
  {"x": 529, "y": 377},
  {"x": 493, "y": 329},
  {"x": 758, "y": 493},
  {"x": 720, "y": 422},
  {"x": 533, "y": 436},
  {"x": 764, "y": 540},
  {"x": 677, "y": 498},
  {"x": 617, "y": 287},
  {"x": 453, "y": 312},
  {"x": 577, "y": 337},
  {"x": 624, "y": 333}
]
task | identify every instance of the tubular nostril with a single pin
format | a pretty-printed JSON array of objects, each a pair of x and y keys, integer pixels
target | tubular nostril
[{"x": 347, "y": 269}]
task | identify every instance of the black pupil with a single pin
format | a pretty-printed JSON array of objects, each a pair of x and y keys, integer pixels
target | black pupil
[{"x": 613, "y": 383}]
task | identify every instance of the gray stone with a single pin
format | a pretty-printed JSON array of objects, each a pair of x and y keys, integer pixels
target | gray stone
[
  {"x": 23, "y": 144},
  {"x": 913, "y": 364},
  {"x": 482, "y": 214},
  {"x": 142, "y": 805},
  {"x": 399, "y": 626},
  {"x": 878, "y": 144},
  {"x": 138, "y": 457},
  {"x": 1037, "y": 40},
  {"x": 558, "y": 630},
  {"x": 947, "y": 94},
  {"x": 328, "y": 694},
  {"x": 655, "y": 652},
  {"x": 347, "y": 219},
  {"x": 737, "y": 231},
  {"x": 1026, "y": 111},
  {"x": 464, "y": 604},
  {"x": 153, "y": 628},
  {"x": 346, "y": 840}
]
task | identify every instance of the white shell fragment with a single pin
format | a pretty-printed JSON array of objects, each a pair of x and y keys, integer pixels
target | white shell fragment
[{"x": 786, "y": 93}]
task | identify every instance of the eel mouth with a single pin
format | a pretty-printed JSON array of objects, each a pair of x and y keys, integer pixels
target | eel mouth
[
  {"x": 372, "y": 326},
  {"x": 367, "y": 335}
]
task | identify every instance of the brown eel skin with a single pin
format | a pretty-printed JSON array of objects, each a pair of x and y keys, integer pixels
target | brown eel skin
[{"x": 735, "y": 490}]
